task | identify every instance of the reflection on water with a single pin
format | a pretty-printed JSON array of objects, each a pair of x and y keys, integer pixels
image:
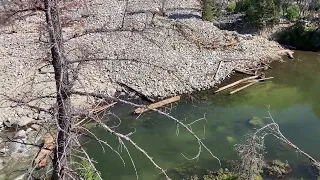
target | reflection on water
[{"x": 295, "y": 105}]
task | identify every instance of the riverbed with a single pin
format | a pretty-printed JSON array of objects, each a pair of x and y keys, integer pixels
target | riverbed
[{"x": 293, "y": 97}]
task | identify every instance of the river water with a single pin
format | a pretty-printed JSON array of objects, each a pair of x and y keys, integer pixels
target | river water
[{"x": 293, "y": 96}]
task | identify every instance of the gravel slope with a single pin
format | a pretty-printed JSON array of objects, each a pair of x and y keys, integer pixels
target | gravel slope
[{"x": 171, "y": 55}]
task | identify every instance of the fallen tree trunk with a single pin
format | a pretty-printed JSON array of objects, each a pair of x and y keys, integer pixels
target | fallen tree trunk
[
  {"x": 157, "y": 105},
  {"x": 236, "y": 83},
  {"x": 44, "y": 154}
]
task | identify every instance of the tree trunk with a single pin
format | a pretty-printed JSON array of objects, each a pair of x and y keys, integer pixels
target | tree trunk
[{"x": 61, "y": 154}]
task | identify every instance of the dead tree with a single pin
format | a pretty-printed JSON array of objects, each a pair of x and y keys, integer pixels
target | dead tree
[
  {"x": 251, "y": 151},
  {"x": 59, "y": 63}
]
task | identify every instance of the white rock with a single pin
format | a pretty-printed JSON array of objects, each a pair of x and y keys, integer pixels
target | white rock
[
  {"x": 35, "y": 127},
  {"x": 111, "y": 91},
  {"x": 28, "y": 131},
  {"x": 23, "y": 121},
  {"x": 20, "y": 135}
]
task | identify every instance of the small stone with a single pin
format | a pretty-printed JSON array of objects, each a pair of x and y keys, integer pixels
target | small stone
[
  {"x": 20, "y": 135},
  {"x": 111, "y": 91},
  {"x": 122, "y": 94},
  {"x": 7, "y": 123},
  {"x": 131, "y": 94},
  {"x": 36, "y": 127},
  {"x": 29, "y": 130}
]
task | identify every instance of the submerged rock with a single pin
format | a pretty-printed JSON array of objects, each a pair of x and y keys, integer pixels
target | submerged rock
[
  {"x": 231, "y": 140},
  {"x": 277, "y": 168},
  {"x": 256, "y": 121}
]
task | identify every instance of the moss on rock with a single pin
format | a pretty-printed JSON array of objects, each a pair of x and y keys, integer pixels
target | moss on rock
[
  {"x": 277, "y": 168},
  {"x": 256, "y": 121}
]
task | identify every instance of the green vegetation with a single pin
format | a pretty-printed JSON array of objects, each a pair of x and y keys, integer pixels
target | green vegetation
[
  {"x": 277, "y": 168},
  {"x": 231, "y": 140},
  {"x": 186, "y": 170},
  {"x": 221, "y": 174},
  {"x": 301, "y": 36},
  {"x": 256, "y": 121},
  {"x": 209, "y": 9},
  {"x": 258, "y": 178},
  {"x": 263, "y": 13},
  {"x": 87, "y": 172},
  {"x": 231, "y": 6},
  {"x": 293, "y": 12},
  {"x": 242, "y": 5}
]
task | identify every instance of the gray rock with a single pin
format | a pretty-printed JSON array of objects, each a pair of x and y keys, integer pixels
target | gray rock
[
  {"x": 7, "y": 123},
  {"x": 111, "y": 91},
  {"x": 20, "y": 135},
  {"x": 2, "y": 163},
  {"x": 22, "y": 177},
  {"x": 28, "y": 131},
  {"x": 131, "y": 94},
  {"x": 35, "y": 127},
  {"x": 23, "y": 121}
]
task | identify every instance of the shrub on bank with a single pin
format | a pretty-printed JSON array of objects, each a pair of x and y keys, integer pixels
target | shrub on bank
[
  {"x": 301, "y": 36},
  {"x": 242, "y": 5},
  {"x": 263, "y": 13},
  {"x": 86, "y": 172},
  {"x": 231, "y": 6},
  {"x": 208, "y": 9},
  {"x": 293, "y": 12}
]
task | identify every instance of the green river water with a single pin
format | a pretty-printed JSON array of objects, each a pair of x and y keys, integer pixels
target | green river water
[{"x": 293, "y": 96}]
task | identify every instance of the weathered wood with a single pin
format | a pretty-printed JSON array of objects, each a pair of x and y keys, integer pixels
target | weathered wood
[
  {"x": 244, "y": 71},
  {"x": 287, "y": 52},
  {"x": 157, "y": 105},
  {"x": 63, "y": 88},
  {"x": 43, "y": 156},
  {"x": 95, "y": 110},
  {"x": 244, "y": 87},
  {"x": 217, "y": 72},
  {"x": 236, "y": 83},
  {"x": 262, "y": 79}
]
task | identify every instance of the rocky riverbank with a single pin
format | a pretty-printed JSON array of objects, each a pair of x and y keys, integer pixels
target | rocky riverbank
[{"x": 111, "y": 43}]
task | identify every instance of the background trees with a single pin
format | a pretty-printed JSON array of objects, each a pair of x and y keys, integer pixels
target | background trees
[
  {"x": 262, "y": 13},
  {"x": 209, "y": 9}
]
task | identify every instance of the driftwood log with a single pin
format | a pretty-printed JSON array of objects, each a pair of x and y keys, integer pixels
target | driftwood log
[
  {"x": 287, "y": 52},
  {"x": 243, "y": 87},
  {"x": 236, "y": 83},
  {"x": 96, "y": 110},
  {"x": 157, "y": 105},
  {"x": 43, "y": 156}
]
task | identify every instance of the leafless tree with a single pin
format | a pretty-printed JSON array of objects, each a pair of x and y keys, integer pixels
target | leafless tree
[
  {"x": 61, "y": 72},
  {"x": 251, "y": 151}
]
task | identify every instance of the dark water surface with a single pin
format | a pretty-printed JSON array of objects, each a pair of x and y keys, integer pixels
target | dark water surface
[{"x": 293, "y": 96}]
